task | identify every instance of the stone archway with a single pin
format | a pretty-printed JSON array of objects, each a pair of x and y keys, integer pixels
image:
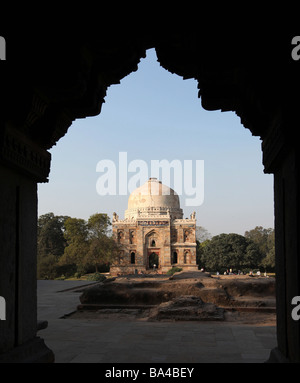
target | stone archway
[
  {"x": 153, "y": 259},
  {"x": 42, "y": 95}
]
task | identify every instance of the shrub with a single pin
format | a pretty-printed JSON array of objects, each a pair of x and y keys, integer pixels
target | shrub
[
  {"x": 96, "y": 277},
  {"x": 174, "y": 270}
]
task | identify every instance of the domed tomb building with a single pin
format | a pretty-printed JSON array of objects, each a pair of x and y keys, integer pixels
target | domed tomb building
[{"x": 154, "y": 232}]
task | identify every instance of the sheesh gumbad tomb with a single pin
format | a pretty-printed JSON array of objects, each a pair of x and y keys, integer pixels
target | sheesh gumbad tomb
[{"x": 154, "y": 233}]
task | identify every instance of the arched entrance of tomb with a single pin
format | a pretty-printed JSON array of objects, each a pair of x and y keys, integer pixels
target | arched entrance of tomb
[
  {"x": 152, "y": 249},
  {"x": 153, "y": 259},
  {"x": 41, "y": 98},
  {"x": 174, "y": 257}
]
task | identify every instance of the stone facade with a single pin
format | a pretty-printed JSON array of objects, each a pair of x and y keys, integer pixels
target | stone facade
[{"x": 154, "y": 232}]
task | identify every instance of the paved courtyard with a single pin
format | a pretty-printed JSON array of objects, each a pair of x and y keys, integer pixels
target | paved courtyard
[{"x": 137, "y": 341}]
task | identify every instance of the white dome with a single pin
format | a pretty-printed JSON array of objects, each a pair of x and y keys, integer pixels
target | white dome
[{"x": 153, "y": 199}]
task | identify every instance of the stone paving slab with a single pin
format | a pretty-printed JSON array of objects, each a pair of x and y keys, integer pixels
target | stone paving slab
[{"x": 138, "y": 341}]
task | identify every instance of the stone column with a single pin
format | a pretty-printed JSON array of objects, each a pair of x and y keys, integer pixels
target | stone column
[
  {"x": 282, "y": 158},
  {"x": 287, "y": 254},
  {"x": 22, "y": 165}
]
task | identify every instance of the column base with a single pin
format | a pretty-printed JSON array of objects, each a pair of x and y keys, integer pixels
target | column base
[
  {"x": 33, "y": 351},
  {"x": 276, "y": 356}
]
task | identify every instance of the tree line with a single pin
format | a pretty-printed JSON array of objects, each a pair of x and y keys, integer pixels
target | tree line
[
  {"x": 253, "y": 250},
  {"x": 69, "y": 246},
  {"x": 73, "y": 246}
]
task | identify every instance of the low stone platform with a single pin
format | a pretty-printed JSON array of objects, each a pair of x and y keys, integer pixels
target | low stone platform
[{"x": 183, "y": 296}]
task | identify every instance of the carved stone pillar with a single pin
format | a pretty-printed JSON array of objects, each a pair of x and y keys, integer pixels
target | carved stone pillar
[{"x": 22, "y": 165}]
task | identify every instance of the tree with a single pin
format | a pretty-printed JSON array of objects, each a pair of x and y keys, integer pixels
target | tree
[
  {"x": 98, "y": 224},
  {"x": 51, "y": 235},
  {"x": 260, "y": 235},
  {"x": 76, "y": 235},
  {"x": 50, "y": 244},
  {"x": 47, "y": 267},
  {"x": 67, "y": 245},
  {"x": 233, "y": 251},
  {"x": 103, "y": 249},
  {"x": 202, "y": 234},
  {"x": 202, "y": 239},
  {"x": 199, "y": 250},
  {"x": 265, "y": 240}
]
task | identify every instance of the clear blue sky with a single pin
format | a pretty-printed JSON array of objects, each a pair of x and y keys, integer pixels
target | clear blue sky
[{"x": 156, "y": 115}]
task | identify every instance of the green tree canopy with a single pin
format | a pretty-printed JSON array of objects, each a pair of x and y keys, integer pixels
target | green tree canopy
[
  {"x": 76, "y": 235},
  {"x": 99, "y": 224},
  {"x": 103, "y": 249},
  {"x": 67, "y": 245},
  {"x": 51, "y": 238},
  {"x": 265, "y": 240},
  {"x": 50, "y": 244},
  {"x": 230, "y": 251},
  {"x": 199, "y": 250}
]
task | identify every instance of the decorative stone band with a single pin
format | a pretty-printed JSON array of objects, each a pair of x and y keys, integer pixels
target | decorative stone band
[
  {"x": 153, "y": 212},
  {"x": 153, "y": 223},
  {"x": 18, "y": 152},
  {"x": 184, "y": 221},
  {"x": 135, "y": 222}
]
